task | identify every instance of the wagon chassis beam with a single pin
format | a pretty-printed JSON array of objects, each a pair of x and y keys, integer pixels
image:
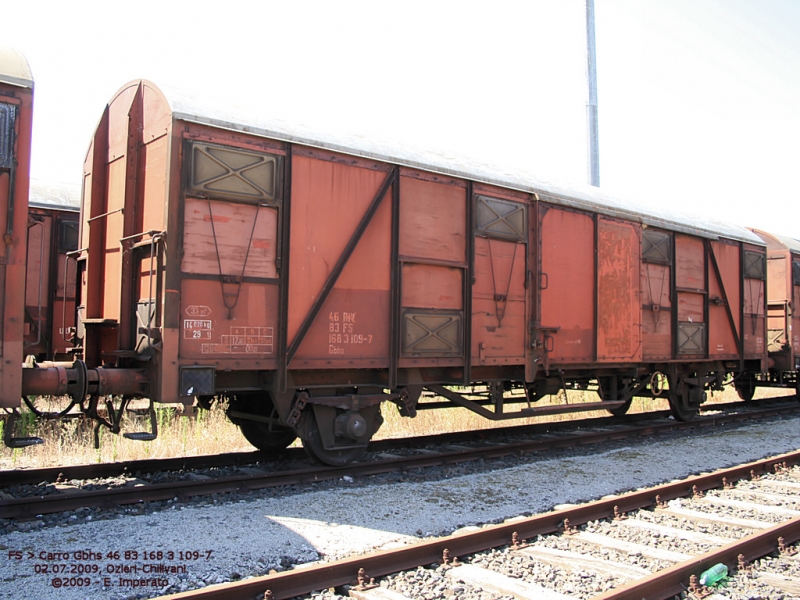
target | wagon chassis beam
[{"x": 464, "y": 402}]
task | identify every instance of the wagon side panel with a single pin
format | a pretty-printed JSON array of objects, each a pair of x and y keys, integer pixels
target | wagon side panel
[
  {"x": 340, "y": 249},
  {"x": 754, "y": 305},
  {"x": 795, "y": 320},
  {"x": 433, "y": 262},
  {"x": 499, "y": 302},
  {"x": 37, "y": 284},
  {"x": 779, "y": 307},
  {"x": 724, "y": 297},
  {"x": 657, "y": 268},
  {"x": 567, "y": 285},
  {"x": 691, "y": 293},
  {"x": 619, "y": 335}
]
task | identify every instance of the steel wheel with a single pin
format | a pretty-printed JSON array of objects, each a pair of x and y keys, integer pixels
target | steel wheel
[
  {"x": 745, "y": 386},
  {"x": 679, "y": 407},
  {"x": 605, "y": 385},
  {"x": 681, "y": 413},
  {"x": 315, "y": 448},
  {"x": 268, "y": 435}
]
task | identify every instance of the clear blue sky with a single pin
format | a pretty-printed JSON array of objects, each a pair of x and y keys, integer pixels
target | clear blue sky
[{"x": 699, "y": 100}]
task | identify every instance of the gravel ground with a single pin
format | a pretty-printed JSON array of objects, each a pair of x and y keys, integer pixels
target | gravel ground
[{"x": 215, "y": 540}]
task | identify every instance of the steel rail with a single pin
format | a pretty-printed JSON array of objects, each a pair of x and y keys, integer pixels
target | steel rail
[
  {"x": 231, "y": 459},
  {"x": 310, "y": 578},
  {"x": 112, "y": 469},
  {"x": 672, "y": 581},
  {"x": 28, "y": 507}
]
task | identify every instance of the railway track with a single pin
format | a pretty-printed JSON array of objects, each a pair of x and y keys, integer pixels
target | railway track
[
  {"x": 768, "y": 491},
  {"x": 259, "y": 478},
  {"x": 233, "y": 459}
]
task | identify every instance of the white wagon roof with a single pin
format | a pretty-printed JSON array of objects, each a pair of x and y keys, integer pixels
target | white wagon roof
[
  {"x": 60, "y": 196},
  {"x": 14, "y": 68},
  {"x": 193, "y": 108}
]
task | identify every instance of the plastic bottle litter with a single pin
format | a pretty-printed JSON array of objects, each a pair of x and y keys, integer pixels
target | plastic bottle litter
[{"x": 714, "y": 574}]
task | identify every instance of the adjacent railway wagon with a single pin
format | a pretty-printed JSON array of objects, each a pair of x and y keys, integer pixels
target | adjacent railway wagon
[
  {"x": 783, "y": 314},
  {"x": 16, "y": 113},
  {"x": 53, "y": 215},
  {"x": 311, "y": 278}
]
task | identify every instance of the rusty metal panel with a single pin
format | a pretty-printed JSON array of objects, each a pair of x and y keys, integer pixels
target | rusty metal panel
[
  {"x": 691, "y": 334},
  {"x": 779, "y": 291},
  {"x": 321, "y": 229},
  {"x": 433, "y": 220},
  {"x": 690, "y": 281},
  {"x": 567, "y": 284},
  {"x": 432, "y": 333},
  {"x": 656, "y": 286},
  {"x": 232, "y": 311},
  {"x": 49, "y": 303},
  {"x": 66, "y": 284},
  {"x": 724, "y": 321},
  {"x": 778, "y": 283},
  {"x": 8, "y": 117},
  {"x": 690, "y": 263},
  {"x": 795, "y": 333},
  {"x": 113, "y": 227},
  {"x": 208, "y": 332},
  {"x": 754, "y": 317},
  {"x": 350, "y": 331},
  {"x": 432, "y": 247},
  {"x": 233, "y": 173},
  {"x": 691, "y": 307},
  {"x": 754, "y": 301},
  {"x": 656, "y": 247},
  {"x": 755, "y": 266},
  {"x": 152, "y": 182},
  {"x": 229, "y": 240},
  {"x": 38, "y": 328},
  {"x": 17, "y": 99},
  {"x": 618, "y": 301},
  {"x": 498, "y": 302},
  {"x": 352, "y": 327},
  {"x": 776, "y": 336},
  {"x": 432, "y": 286},
  {"x": 501, "y": 219},
  {"x": 691, "y": 338}
]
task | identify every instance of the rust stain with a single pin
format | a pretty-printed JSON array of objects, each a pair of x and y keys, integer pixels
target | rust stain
[{"x": 216, "y": 219}]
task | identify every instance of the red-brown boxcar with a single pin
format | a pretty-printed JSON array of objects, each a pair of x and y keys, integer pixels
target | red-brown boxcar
[
  {"x": 783, "y": 316},
  {"x": 53, "y": 214},
  {"x": 16, "y": 108},
  {"x": 310, "y": 278}
]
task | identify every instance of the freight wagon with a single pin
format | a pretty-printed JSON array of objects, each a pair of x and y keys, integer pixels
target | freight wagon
[
  {"x": 53, "y": 214},
  {"x": 311, "y": 278},
  {"x": 16, "y": 114},
  {"x": 783, "y": 317}
]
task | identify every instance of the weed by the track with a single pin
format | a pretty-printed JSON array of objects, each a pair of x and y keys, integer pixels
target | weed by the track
[{"x": 71, "y": 441}]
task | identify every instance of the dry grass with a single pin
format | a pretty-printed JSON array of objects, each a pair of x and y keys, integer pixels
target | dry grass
[{"x": 69, "y": 442}]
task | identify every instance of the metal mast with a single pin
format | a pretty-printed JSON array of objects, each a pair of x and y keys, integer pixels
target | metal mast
[{"x": 591, "y": 106}]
